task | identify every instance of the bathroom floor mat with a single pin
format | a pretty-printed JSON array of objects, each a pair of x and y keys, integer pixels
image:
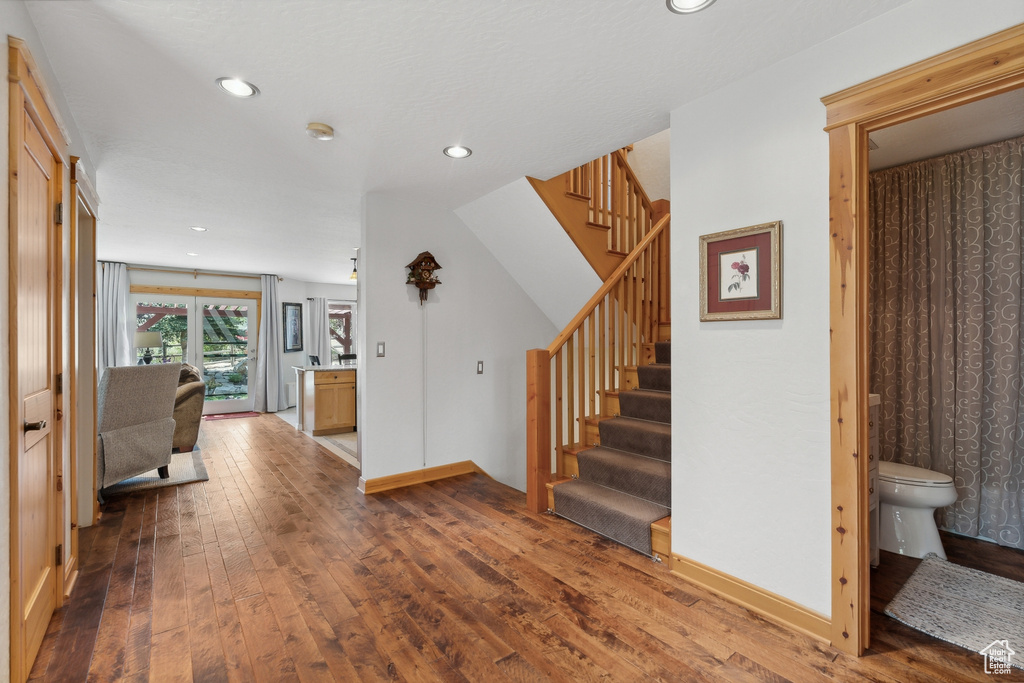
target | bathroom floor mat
[{"x": 962, "y": 606}]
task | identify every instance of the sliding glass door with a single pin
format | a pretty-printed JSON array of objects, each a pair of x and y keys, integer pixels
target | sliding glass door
[{"x": 215, "y": 335}]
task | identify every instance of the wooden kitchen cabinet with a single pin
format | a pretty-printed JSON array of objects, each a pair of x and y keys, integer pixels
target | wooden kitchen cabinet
[{"x": 329, "y": 401}]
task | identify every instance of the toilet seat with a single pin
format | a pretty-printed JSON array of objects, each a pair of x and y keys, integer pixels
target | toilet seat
[{"x": 908, "y": 475}]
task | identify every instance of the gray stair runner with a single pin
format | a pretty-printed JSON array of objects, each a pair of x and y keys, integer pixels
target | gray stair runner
[{"x": 625, "y": 484}]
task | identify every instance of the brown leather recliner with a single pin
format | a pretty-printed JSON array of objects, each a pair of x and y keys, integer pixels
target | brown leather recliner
[{"x": 188, "y": 408}]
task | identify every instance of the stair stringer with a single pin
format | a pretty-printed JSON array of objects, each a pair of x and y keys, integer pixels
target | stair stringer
[{"x": 573, "y": 214}]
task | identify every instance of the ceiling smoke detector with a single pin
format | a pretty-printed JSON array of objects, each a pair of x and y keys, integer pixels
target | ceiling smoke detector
[
  {"x": 320, "y": 131},
  {"x": 688, "y": 6}
]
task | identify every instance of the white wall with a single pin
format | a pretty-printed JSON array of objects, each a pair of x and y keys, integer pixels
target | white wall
[
  {"x": 650, "y": 162},
  {"x": 14, "y": 21},
  {"x": 751, "y": 399},
  {"x": 477, "y": 313},
  {"x": 517, "y": 227}
]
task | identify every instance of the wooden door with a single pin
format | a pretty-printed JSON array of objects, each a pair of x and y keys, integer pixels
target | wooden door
[{"x": 36, "y": 507}]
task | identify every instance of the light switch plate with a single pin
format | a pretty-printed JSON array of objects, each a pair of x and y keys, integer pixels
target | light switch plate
[
  {"x": 380, "y": 349},
  {"x": 479, "y": 367}
]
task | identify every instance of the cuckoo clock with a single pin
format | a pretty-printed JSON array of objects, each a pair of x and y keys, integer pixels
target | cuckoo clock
[{"x": 421, "y": 274}]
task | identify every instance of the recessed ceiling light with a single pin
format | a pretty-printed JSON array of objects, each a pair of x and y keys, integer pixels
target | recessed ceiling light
[
  {"x": 688, "y": 6},
  {"x": 238, "y": 87},
  {"x": 457, "y": 152},
  {"x": 197, "y": 228},
  {"x": 191, "y": 253},
  {"x": 320, "y": 131}
]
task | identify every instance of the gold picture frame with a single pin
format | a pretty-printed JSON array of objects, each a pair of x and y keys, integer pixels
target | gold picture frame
[{"x": 741, "y": 273}]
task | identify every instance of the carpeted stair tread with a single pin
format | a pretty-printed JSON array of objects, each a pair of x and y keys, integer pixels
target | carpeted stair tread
[
  {"x": 646, "y": 404},
  {"x": 646, "y": 478},
  {"x": 657, "y": 377},
  {"x": 619, "y": 516},
  {"x": 652, "y": 439},
  {"x": 663, "y": 352}
]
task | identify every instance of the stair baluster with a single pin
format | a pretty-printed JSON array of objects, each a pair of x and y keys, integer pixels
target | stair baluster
[{"x": 608, "y": 334}]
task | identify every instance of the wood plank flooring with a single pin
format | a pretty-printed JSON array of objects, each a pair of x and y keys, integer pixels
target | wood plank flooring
[{"x": 276, "y": 569}]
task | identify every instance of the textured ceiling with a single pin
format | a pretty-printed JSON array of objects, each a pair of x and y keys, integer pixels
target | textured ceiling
[{"x": 534, "y": 87}]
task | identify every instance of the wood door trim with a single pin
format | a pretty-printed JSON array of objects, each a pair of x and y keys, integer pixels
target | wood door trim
[
  {"x": 82, "y": 189},
  {"x": 983, "y": 68},
  {"x": 29, "y": 98},
  {"x": 986, "y": 67},
  {"x": 24, "y": 71},
  {"x": 82, "y": 195},
  {"x": 197, "y": 291}
]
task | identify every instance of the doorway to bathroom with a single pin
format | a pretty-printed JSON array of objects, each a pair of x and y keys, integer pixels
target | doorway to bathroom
[
  {"x": 946, "y": 302},
  {"x": 985, "y": 68}
]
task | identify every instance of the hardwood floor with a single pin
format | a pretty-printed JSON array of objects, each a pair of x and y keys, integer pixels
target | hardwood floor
[{"x": 276, "y": 569}]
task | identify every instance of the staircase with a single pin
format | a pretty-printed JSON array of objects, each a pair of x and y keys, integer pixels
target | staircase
[
  {"x": 624, "y": 484},
  {"x": 598, "y": 397},
  {"x": 603, "y": 208}
]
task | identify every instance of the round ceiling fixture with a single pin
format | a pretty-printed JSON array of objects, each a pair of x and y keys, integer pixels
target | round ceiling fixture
[
  {"x": 191, "y": 253},
  {"x": 457, "y": 152},
  {"x": 688, "y": 6},
  {"x": 197, "y": 228},
  {"x": 238, "y": 87},
  {"x": 320, "y": 131}
]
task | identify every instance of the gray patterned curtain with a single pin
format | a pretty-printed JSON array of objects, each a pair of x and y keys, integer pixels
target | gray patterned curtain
[{"x": 946, "y": 329}]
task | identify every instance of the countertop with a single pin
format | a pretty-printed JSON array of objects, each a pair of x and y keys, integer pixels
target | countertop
[{"x": 322, "y": 368}]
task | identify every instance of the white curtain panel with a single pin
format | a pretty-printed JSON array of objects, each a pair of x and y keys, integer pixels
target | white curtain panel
[
  {"x": 115, "y": 321},
  {"x": 270, "y": 395},
  {"x": 319, "y": 330}
]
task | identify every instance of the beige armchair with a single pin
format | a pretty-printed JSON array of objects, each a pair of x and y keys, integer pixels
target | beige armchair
[
  {"x": 135, "y": 421},
  {"x": 188, "y": 408}
]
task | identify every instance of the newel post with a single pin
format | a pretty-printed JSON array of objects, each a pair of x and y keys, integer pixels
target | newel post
[{"x": 538, "y": 428}]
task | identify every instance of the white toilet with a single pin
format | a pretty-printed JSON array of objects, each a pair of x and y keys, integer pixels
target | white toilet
[{"x": 908, "y": 497}]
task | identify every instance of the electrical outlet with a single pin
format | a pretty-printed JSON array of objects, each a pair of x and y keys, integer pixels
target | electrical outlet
[
  {"x": 380, "y": 349},
  {"x": 479, "y": 367}
]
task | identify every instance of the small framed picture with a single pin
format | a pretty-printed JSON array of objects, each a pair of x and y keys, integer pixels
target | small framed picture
[
  {"x": 741, "y": 273},
  {"x": 314, "y": 360},
  {"x": 292, "y": 326}
]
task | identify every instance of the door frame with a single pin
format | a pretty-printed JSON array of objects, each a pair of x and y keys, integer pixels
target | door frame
[
  {"x": 28, "y": 96},
  {"x": 252, "y": 350},
  {"x": 81, "y": 360},
  {"x": 207, "y": 293},
  {"x": 984, "y": 68}
]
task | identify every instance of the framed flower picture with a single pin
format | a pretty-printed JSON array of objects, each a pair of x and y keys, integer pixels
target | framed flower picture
[{"x": 741, "y": 273}]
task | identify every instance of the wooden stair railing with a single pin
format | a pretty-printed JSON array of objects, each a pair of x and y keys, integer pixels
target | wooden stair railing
[
  {"x": 567, "y": 382},
  {"x": 602, "y": 207}
]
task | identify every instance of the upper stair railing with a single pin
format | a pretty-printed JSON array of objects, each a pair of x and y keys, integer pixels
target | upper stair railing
[
  {"x": 568, "y": 382},
  {"x": 602, "y": 207},
  {"x": 615, "y": 199}
]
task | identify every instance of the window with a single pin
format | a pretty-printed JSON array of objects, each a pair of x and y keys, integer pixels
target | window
[{"x": 342, "y": 318}]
